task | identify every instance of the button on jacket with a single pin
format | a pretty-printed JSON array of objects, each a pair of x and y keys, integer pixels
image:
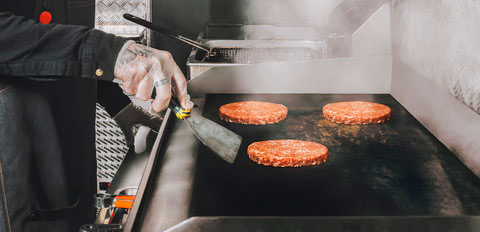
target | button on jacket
[{"x": 49, "y": 75}]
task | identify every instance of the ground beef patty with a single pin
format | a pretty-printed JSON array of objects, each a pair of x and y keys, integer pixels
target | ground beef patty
[
  {"x": 287, "y": 153},
  {"x": 253, "y": 112},
  {"x": 356, "y": 112}
]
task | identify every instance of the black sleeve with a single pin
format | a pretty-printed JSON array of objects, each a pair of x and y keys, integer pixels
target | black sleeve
[
  {"x": 31, "y": 49},
  {"x": 111, "y": 97}
]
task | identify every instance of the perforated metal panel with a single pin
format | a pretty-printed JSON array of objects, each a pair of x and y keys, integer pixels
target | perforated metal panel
[
  {"x": 110, "y": 144},
  {"x": 109, "y": 16},
  {"x": 110, "y": 141}
]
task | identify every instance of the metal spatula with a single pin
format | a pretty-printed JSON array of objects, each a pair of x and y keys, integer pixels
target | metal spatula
[{"x": 221, "y": 140}]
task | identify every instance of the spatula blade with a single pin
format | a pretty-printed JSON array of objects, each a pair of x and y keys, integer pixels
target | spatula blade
[{"x": 221, "y": 140}]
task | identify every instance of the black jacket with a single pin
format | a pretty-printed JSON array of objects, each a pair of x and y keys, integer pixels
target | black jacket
[{"x": 48, "y": 91}]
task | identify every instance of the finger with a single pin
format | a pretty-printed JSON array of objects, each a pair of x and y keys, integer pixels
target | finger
[
  {"x": 139, "y": 71},
  {"x": 145, "y": 88},
  {"x": 125, "y": 77},
  {"x": 128, "y": 88},
  {"x": 180, "y": 86},
  {"x": 131, "y": 84},
  {"x": 162, "y": 88}
]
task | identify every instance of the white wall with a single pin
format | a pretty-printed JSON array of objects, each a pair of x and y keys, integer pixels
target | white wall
[
  {"x": 436, "y": 70},
  {"x": 440, "y": 39}
]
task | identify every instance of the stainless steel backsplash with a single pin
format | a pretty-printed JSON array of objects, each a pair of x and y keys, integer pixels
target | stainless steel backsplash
[{"x": 440, "y": 39}]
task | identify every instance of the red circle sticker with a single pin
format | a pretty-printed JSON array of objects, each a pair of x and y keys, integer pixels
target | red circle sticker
[{"x": 45, "y": 17}]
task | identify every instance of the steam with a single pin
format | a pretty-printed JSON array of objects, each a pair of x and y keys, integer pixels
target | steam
[{"x": 287, "y": 12}]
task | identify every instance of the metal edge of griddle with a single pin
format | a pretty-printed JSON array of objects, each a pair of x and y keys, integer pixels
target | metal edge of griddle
[
  {"x": 456, "y": 125},
  {"x": 129, "y": 174},
  {"x": 329, "y": 223},
  {"x": 146, "y": 177},
  {"x": 172, "y": 180}
]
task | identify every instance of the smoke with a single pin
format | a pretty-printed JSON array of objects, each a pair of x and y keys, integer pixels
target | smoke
[
  {"x": 290, "y": 12},
  {"x": 438, "y": 38},
  {"x": 277, "y": 12}
]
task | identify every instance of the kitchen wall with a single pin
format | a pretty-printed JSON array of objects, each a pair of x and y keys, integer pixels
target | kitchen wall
[
  {"x": 441, "y": 40},
  {"x": 436, "y": 70},
  {"x": 309, "y": 12}
]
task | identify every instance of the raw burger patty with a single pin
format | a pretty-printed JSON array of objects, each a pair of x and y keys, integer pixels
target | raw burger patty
[
  {"x": 356, "y": 112},
  {"x": 253, "y": 112},
  {"x": 287, "y": 153}
]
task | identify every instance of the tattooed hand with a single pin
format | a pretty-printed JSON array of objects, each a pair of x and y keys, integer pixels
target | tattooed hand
[{"x": 141, "y": 68}]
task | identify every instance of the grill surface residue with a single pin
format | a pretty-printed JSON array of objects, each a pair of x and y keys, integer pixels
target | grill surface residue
[
  {"x": 312, "y": 126},
  {"x": 394, "y": 168}
]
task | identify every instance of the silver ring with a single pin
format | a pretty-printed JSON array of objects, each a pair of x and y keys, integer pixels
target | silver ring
[{"x": 159, "y": 82}]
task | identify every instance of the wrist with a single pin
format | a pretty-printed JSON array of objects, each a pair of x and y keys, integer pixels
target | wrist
[{"x": 105, "y": 49}]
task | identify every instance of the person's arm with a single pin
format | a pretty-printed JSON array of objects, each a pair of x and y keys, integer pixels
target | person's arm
[{"x": 31, "y": 49}]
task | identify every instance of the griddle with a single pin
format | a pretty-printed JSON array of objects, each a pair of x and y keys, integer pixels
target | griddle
[
  {"x": 329, "y": 224},
  {"x": 393, "y": 169}
]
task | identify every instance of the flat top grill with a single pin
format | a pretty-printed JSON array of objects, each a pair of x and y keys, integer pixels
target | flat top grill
[{"x": 396, "y": 168}]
